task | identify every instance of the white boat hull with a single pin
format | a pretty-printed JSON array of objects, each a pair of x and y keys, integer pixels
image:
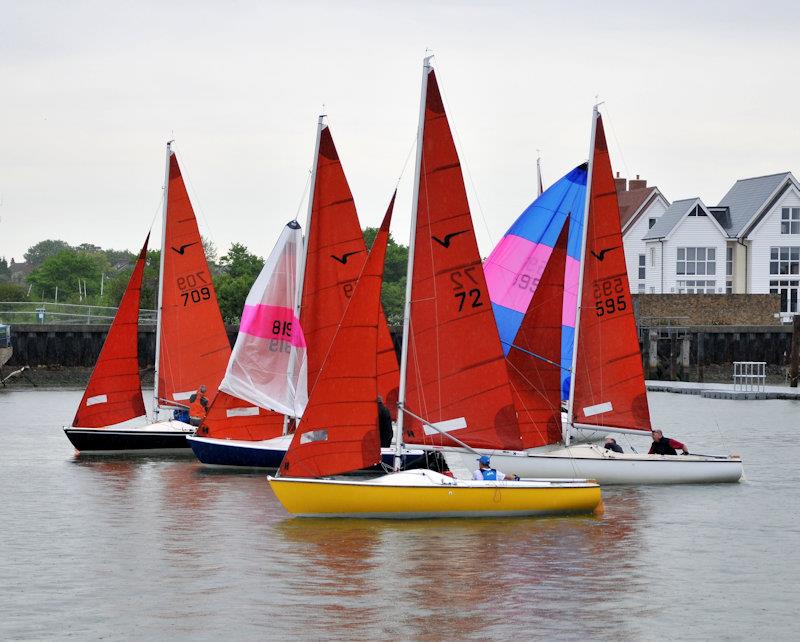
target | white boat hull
[{"x": 605, "y": 466}]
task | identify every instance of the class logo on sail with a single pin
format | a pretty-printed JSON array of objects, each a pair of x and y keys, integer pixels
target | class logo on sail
[
  {"x": 180, "y": 250},
  {"x": 449, "y": 237}
]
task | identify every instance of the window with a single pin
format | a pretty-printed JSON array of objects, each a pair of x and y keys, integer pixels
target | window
[
  {"x": 641, "y": 288},
  {"x": 697, "y": 211},
  {"x": 788, "y": 290},
  {"x": 790, "y": 220},
  {"x": 651, "y": 222},
  {"x": 696, "y": 287},
  {"x": 652, "y": 290},
  {"x": 642, "y": 267},
  {"x": 697, "y": 260},
  {"x": 784, "y": 260},
  {"x": 652, "y": 257},
  {"x": 728, "y": 261}
]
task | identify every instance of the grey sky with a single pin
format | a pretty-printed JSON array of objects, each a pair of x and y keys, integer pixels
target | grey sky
[{"x": 697, "y": 95}]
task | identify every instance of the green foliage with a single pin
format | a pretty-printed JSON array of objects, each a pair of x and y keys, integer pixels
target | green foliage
[
  {"x": 5, "y": 272},
  {"x": 43, "y": 250},
  {"x": 12, "y": 292},
  {"x": 238, "y": 270},
  {"x": 64, "y": 271},
  {"x": 393, "y": 293}
]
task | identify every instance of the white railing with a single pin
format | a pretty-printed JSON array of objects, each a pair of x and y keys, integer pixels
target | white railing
[
  {"x": 12, "y": 312},
  {"x": 749, "y": 376}
]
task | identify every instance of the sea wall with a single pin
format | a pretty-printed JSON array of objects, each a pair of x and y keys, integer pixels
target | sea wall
[{"x": 708, "y": 309}]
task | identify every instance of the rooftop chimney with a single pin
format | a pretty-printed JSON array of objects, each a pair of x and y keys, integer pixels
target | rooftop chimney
[
  {"x": 637, "y": 184},
  {"x": 621, "y": 184}
]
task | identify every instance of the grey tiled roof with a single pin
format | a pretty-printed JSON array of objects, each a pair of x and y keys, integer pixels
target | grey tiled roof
[
  {"x": 747, "y": 196},
  {"x": 669, "y": 219}
]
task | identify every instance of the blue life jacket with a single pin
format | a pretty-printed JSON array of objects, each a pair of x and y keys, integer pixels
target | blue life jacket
[{"x": 489, "y": 475}]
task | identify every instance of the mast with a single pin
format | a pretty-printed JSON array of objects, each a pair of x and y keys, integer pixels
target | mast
[
  {"x": 401, "y": 396},
  {"x": 584, "y": 234},
  {"x": 539, "y": 185},
  {"x": 161, "y": 278},
  {"x": 301, "y": 274}
]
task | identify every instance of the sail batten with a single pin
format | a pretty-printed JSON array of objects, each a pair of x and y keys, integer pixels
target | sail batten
[{"x": 114, "y": 391}]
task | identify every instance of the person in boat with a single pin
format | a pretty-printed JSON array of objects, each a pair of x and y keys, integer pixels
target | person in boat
[
  {"x": 611, "y": 444},
  {"x": 486, "y": 472},
  {"x": 665, "y": 446},
  {"x": 384, "y": 424},
  {"x": 198, "y": 406}
]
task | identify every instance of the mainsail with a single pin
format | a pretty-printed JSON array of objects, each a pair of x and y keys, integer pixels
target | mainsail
[
  {"x": 609, "y": 388},
  {"x": 193, "y": 345},
  {"x": 515, "y": 266},
  {"x": 267, "y": 369},
  {"x": 455, "y": 377},
  {"x": 114, "y": 392},
  {"x": 338, "y": 432},
  {"x": 534, "y": 357},
  {"x": 335, "y": 257}
]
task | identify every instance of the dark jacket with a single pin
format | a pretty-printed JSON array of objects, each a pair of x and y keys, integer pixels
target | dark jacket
[
  {"x": 615, "y": 447},
  {"x": 385, "y": 425},
  {"x": 665, "y": 446}
]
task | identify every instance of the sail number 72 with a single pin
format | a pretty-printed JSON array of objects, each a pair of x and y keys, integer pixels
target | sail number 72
[
  {"x": 466, "y": 295},
  {"x": 609, "y": 297}
]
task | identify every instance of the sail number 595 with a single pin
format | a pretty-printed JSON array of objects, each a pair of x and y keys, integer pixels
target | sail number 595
[{"x": 609, "y": 297}]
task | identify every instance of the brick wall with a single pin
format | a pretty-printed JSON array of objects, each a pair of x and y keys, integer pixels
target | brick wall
[{"x": 707, "y": 309}]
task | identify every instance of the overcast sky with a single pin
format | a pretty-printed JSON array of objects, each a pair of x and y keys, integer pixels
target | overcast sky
[{"x": 697, "y": 94}]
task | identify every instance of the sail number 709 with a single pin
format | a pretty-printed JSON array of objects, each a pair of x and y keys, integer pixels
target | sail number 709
[
  {"x": 193, "y": 289},
  {"x": 609, "y": 297}
]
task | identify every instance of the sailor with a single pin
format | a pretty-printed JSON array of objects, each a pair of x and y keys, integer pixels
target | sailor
[
  {"x": 665, "y": 446},
  {"x": 486, "y": 472},
  {"x": 611, "y": 444},
  {"x": 198, "y": 406},
  {"x": 384, "y": 424}
]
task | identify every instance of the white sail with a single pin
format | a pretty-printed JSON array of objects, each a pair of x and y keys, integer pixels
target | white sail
[{"x": 268, "y": 363}]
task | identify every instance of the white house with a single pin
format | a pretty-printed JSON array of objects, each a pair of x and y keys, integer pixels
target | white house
[
  {"x": 639, "y": 209},
  {"x": 748, "y": 243}
]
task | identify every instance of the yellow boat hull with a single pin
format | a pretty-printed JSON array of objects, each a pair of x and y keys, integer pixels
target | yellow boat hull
[{"x": 338, "y": 498}]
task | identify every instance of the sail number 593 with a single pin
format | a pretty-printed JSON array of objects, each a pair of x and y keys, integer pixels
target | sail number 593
[{"x": 609, "y": 297}]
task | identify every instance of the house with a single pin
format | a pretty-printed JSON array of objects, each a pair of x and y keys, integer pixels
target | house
[
  {"x": 749, "y": 243},
  {"x": 640, "y": 207}
]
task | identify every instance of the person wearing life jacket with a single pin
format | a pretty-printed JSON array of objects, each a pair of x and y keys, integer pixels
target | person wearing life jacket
[
  {"x": 385, "y": 427},
  {"x": 611, "y": 444},
  {"x": 198, "y": 406},
  {"x": 486, "y": 472},
  {"x": 665, "y": 446}
]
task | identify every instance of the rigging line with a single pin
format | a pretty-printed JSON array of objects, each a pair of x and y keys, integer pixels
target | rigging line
[
  {"x": 463, "y": 162},
  {"x": 303, "y": 195},
  {"x": 616, "y": 140},
  {"x": 440, "y": 430},
  {"x": 405, "y": 164},
  {"x": 538, "y": 356}
]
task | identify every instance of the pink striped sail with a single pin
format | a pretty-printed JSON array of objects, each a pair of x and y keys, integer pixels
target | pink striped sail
[{"x": 268, "y": 363}]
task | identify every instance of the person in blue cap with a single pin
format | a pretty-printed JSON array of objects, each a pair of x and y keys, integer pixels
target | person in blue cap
[{"x": 486, "y": 472}]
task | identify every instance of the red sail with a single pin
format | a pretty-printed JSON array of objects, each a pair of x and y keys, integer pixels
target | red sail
[
  {"x": 232, "y": 418},
  {"x": 114, "y": 393},
  {"x": 336, "y": 255},
  {"x": 536, "y": 382},
  {"x": 609, "y": 378},
  {"x": 339, "y": 429},
  {"x": 456, "y": 374},
  {"x": 194, "y": 347}
]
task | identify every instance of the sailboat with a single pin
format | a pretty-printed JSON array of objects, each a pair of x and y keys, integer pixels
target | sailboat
[
  {"x": 608, "y": 389},
  {"x": 325, "y": 275},
  {"x": 192, "y": 346},
  {"x": 446, "y": 288}
]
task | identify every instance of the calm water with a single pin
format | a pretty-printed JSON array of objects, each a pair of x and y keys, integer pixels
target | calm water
[{"x": 155, "y": 547}]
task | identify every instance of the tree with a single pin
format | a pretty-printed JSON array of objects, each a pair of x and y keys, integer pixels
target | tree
[
  {"x": 64, "y": 271},
  {"x": 5, "y": 271},
  {"x": 393, "y": 293},
  {"x": 12, "y": 292},
  {"x": 43, "y": 250},
  {"x": 238, "y": 270}
]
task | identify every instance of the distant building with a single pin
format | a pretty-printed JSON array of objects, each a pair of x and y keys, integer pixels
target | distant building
[
  {"x": 749, "y": 243},
  {"x": 19, "y": 272}
]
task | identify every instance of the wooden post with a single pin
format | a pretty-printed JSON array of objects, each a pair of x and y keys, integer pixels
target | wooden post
[
  {"x": 794, "y": 359},
  {"x": 700, "y": 373},
  {"x": 653, "y": 355},
  {"x": 672, "y": 356}
]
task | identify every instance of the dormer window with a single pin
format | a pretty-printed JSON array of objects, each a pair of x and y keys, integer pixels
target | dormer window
[
  {"x": 790, "y": 220},
  {"x": 697, "y": 211},
  {"x": 651, "y": 222}
]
